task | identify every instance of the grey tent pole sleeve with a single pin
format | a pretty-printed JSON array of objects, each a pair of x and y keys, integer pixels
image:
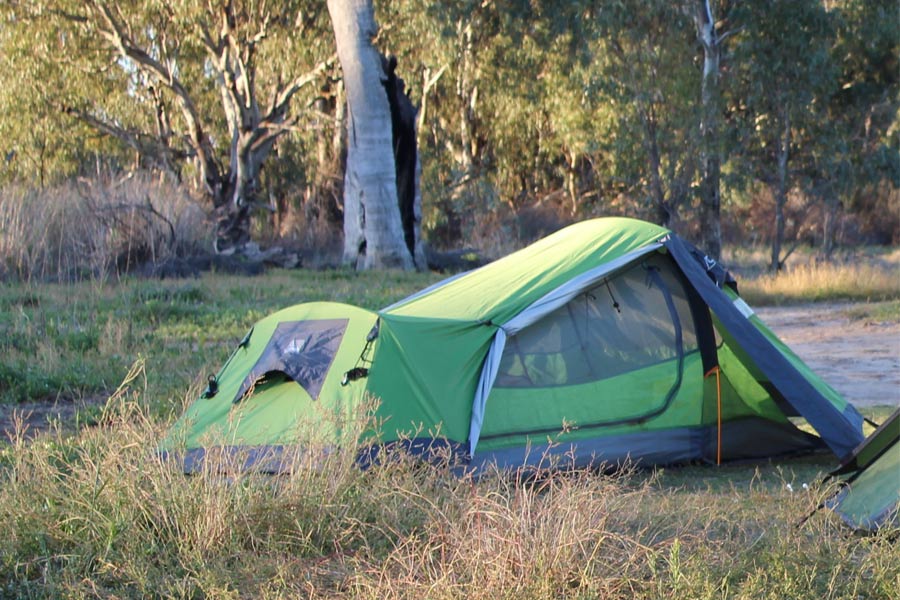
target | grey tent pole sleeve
[
  {"x": 840, "y": 430},
  {"x": 485, "y": 383}
]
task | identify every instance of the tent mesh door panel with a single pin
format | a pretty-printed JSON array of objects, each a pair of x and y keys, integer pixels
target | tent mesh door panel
[{"x": 618, "y": 326}]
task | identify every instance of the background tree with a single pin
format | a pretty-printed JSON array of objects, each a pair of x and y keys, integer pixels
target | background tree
[
  {"x": 170, "y": 60},
  {"x": 713, "y": 30},
  {"x": 529, "y": 114},
  {"x": 861, "y": 156},
  {"x": 785, "y": 61},
  {"x": 373, "y": 227},
  {"x": 38, "y": 140},
  {"x": 648, "y": 75}
]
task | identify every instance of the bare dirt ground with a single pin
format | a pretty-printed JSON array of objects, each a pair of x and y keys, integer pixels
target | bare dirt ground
[
  {"x": 31, "y": 418},
  {"x": 859, "y": 358}
]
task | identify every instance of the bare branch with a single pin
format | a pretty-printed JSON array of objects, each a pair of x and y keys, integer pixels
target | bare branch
[
  {"x": 117, "y": 33},
  {"x": 283, "y": 97},
  {"x": 148, "y": 146}
]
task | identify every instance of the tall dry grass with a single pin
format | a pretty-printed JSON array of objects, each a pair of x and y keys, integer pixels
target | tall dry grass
[
  {"x": 84, "y": 229},
  {"x": 826, "y": 281},
  {"x": 860, "y": 276},
  {"x": 99, "y": 514}
]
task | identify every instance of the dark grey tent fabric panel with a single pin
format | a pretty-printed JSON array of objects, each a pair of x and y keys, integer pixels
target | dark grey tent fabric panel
[
  {"x": 301, "y": 350},
  {"x": 841, "y": 431},
  {"x": 647, "y": 447},
  {"x": 272, "y": 460},
  {"x": 748, "y": 438},
  {"x": 753, "y": 437}
]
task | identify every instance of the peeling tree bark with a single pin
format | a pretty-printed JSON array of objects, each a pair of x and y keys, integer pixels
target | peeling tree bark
[{"x": 373, "y": 229}]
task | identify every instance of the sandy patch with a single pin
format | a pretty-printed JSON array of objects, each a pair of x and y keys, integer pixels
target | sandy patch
[{"x": 858, "y": 358}]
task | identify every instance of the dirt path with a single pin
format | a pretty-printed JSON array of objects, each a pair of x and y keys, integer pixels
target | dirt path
[
  {"x": 31, "y": 418},
  {"x": 859, "y": 358}
]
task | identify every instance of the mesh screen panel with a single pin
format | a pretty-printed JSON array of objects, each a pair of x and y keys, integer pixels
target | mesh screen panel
[{"x": 617, "y": 326}]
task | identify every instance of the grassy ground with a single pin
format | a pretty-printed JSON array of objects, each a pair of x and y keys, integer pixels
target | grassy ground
[
  {"x": 869, "y": 275},
  {"x": 76, "y": 341},
  {"x": 97, "y": 515},
  {"x": 89, "y": 511}
]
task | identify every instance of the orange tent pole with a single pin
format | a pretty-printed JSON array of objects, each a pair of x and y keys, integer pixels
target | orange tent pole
[{"x": 717, "y": 371}]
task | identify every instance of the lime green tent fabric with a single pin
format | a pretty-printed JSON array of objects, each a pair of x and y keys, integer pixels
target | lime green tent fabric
[
  {"x": 608, "y": 340},
  {"x": 834, "y": 398},
  {"x": 268, "y": 408},
  {"x": 435, "y": 344},
  {"x": 870, "y": 496},
  {"x": 435, "y": 351},
  {"x": 502, "y": 289}
]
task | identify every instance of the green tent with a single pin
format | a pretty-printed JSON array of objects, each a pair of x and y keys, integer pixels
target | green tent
[
  {"x": 283, "y": 382},
  {"x": 611, "y": 339},
  {"x": 870, "y": 494}
]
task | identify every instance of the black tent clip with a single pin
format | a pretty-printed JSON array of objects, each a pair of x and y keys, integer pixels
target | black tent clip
[
  {"x": 212, "y": 387},
  {"x": 354, "y": 374}
]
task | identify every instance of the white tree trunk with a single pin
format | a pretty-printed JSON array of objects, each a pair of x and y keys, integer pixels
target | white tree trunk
[
  {"x": 371, "y": 211},
  {"x": 710, "y": 190}
]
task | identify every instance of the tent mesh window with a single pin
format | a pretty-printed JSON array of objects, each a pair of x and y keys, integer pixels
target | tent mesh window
[
  {"x": 302, "y": 351},
  {"x": 622, "y": 324}
]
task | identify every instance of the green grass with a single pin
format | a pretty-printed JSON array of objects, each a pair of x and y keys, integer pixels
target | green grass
[
  {"x": 75, "y": 341},
  {"x": 89, "y": 511},
  {"x": 878, "y": 312}
]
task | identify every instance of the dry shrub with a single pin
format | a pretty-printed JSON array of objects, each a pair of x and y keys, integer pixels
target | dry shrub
[
  {"x": 505, "y": 229},
  {"x": 874, "y": 218},
  {"x": 505, "y": 537},
  {"x": 313, "y": 225},
  {"x": 88, "y": 229},
  {"x": 877, "y": 213}
]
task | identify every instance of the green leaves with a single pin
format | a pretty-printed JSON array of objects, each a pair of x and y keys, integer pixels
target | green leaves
[{"x": 572, "y": 104}]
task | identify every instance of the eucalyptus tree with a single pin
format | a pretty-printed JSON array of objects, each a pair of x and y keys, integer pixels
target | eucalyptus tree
[
  {"x": 441, "y": 46},
  {"x": 36, "y": 138},
  {"x": 787, "y": 74},
  {"x": 455, "y": 37},
  {"x": 646, "y": 73},
  {"x": 373, "y": 228},
  {"x": 202, "y": 89},
  {"x": 544, "y": 124},
  {"x": 507, "y": 113},
  {"x": 861, "y": 159},
  {"x": 714, "y": 28}
]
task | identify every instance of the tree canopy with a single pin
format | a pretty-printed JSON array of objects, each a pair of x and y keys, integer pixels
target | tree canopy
[{"x": 525, "y": 108}]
